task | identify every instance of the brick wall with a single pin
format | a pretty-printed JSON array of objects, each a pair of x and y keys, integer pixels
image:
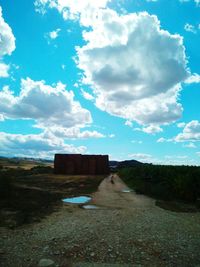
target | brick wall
[{"x": 81, "y": 164}]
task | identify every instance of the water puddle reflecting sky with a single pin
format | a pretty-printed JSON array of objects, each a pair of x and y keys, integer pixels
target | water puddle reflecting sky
[
  {"x": 126, "y": 191},
  {"x": 90, "y": 207},
  {"x": 77, "y": 200}
]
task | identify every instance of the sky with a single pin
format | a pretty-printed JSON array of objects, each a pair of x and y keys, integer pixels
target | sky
[{"x": 116, "y": 77}]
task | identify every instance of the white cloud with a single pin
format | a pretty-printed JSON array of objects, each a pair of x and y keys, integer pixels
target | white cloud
[
  {"x": 190, "y": 28},
  {"x": 134, "y": 75},
  {"x": 41, "y": 5},
  {"x": 151, "y": 129},
  {"x": 198, "y": 153},
  {"x": 54, "y": 34},
  {"x": 191, "y": 132},
  {"x": 35, "y": 145},
  {"x": 141, "y": 157},
  {"x": 47, "y": 105},
  {"x": 176, "y": 157},
  {"x": 1, "y": 117},
  {"x": 73, "y": 133},
  {"x": 54, "y": 110},
  {"x": 7, "y": 44},
  {"x": 4, "y": 70},
  {"x": 84, "y": 11},
  {"x": 86, "y": 95},
  {"x": 128, "y": 123},
  {"x": 111, "y": 135},
  {"x": 197, "y": 2},
  {"x": 194, "y": 78},
  {"x": 51, "y": 36},
  {"x": 91, "y": 134},
  {"x": 181, "y": 124},
  {"x": 190, "y": 145},
  {"x": 136, "y": 142},
  {"x": 7, "y": 39},
  {"x": 178, "y": 160},
  {"x": 162, "y": 140}
]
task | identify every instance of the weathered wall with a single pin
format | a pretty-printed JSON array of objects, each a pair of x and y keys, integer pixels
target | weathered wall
[{"x": 81, "y": 164}]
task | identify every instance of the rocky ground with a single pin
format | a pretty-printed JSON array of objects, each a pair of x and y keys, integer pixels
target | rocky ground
[{"x": 126, "y": 230}]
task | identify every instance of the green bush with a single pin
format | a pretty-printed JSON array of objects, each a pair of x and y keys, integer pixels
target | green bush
[
  {"x": 5, "y": 185},
  {"x": 164, "y": 182},
  {"x": 41, "y": 169}
]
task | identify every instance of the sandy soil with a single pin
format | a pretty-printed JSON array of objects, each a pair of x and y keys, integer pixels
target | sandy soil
[
  {"x": 110, "y": 194},
  {"x": 126, "y": 230}
]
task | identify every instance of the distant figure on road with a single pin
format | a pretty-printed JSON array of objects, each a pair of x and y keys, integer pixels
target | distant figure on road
[{"x": 111, "y": 179}]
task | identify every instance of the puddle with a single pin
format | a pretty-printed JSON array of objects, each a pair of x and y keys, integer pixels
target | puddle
[
  {"x": 89, "y": 207},
  {"x": 77, "y": 200},
  {"x": 127, "y": 190}
]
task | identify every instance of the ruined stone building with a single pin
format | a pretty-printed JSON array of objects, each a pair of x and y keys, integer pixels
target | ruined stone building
[{"x": 81, "y": 164}]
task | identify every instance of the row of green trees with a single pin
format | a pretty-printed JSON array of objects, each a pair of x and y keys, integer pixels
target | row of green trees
[{"x": 164, "y": 182}]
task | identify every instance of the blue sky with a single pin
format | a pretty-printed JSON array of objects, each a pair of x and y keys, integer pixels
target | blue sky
[{"x": 111, "y": 77}]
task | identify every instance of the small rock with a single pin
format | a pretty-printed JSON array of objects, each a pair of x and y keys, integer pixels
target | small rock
[
  {"x": 46, "y": 263},
  {"x": 46, "y": 249},
  {"x": 92, "y": 254}
]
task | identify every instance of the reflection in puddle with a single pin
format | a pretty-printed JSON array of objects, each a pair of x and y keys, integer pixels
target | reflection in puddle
[
  {"x": 77, "y": 200},
  {"x": 89, "y": 207},
  {"x": 126, "y": 191}
]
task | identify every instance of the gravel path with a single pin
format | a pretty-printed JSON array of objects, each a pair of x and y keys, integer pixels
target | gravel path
[{"x": 127, "y": 229}]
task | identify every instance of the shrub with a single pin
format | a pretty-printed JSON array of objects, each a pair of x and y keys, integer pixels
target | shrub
[
  {"x": 5, "y": 185},
  {"x": 41, "y": 169},
  {"x": 164, "y": 182}
]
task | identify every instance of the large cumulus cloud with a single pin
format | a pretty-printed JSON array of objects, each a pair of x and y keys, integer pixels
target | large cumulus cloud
[
  {"x": 54, "y": 110},
  {"x": 42, "y": 145},
  {"x": 7, "y": 44},
  {"x": 134, "y": 67},
  {"x": 47, "y": 105}
]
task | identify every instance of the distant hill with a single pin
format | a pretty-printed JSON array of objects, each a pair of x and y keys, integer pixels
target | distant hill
[
  {"x": 122, "y": 164},
  {"x": 23, "y": 162}
]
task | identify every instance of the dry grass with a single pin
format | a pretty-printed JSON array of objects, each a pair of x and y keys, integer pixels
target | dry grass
[
  {"x": 31, "y": 197},
  {"x": 24, "y": 164}
]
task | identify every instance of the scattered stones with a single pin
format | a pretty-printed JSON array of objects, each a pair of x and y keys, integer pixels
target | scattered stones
[
  {"x": 46, "y": 249},
  {"x": 135, "y": 238}
]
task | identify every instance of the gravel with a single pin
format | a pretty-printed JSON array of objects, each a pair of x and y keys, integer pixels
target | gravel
[{"x": 128, "y": 235}]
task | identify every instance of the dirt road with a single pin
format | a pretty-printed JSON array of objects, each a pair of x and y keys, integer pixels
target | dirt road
[
  {"x": 126, "y": 230},
  {"x": 113, "y": 193}
]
